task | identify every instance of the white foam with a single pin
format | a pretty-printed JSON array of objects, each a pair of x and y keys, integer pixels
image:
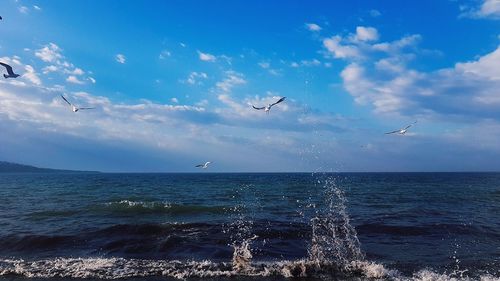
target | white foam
[
  {"x": 114, "y": 268},
  {"x": 129, "y": 203}
]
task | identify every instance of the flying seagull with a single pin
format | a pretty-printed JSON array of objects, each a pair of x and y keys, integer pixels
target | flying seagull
[
  {"x": 9, "y": 71},
  {"x": 268, "y": 107},
  {"x": 74, "y": 108},
  {"x": 401, "y": 131},
  {"x": 203, "y": 166}
]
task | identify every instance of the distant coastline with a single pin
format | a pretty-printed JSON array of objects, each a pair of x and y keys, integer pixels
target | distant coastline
[{"x": 8, "y": 167}]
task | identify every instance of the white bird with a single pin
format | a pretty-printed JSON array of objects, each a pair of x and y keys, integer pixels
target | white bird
[
  {"x": 268, "y": 107},
  {"x": 203, "y": 166},
  {"x": 73, "y": 107},
  {"x": 401, "y": 131}
]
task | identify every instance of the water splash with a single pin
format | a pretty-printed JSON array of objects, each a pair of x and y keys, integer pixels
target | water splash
[
  {"x": 240, "y": 228},
  {"x": 457, "y": 271},
  {"x": 334, "y": 239},
  {"x": 242, "y": 256}
]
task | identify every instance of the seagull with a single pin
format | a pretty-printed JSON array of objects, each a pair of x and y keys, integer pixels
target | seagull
[
  {"x": 401, "y": 131},
  {"x": 203, "y": 166},
  {"x": 9, "y": 71},
  {"x": 74, "y": 108},
  {"x": 268, "y": 107}
]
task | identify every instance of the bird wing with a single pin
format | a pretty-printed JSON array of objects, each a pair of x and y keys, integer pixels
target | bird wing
[
  {"x": 197, "y": 166},
  {"x": 8, "y": 67},
  {"x": 65, "y": 100},
  {"x": 280, "y": 100},
  {"x": 258, "y": 108},
  {"x": 83, "y": 108},
  {"x": 393, "y": 132}
]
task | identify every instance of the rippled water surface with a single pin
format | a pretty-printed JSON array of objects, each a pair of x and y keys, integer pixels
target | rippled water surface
[{"x": 422, "y": 226}]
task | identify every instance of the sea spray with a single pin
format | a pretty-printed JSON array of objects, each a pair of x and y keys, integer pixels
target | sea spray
[
  {"x": 241, "y": 226},
  {"x": 334, "y": 239},
  {"x": 242, "y": 256}
]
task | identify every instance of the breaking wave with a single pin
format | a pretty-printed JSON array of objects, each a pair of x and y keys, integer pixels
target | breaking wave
[
  {"x": 117, "y": 268},
  {"x": 128, "y": 206}
]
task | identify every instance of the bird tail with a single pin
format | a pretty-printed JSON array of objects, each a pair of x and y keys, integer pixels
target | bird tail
[{"x": 5, "y": 76}]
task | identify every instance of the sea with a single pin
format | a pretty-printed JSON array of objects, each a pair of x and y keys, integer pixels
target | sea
[{"x": 250, "y": 226}]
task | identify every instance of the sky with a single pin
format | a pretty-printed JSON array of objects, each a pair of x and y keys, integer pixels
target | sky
[{"x": 173, "y": 84}]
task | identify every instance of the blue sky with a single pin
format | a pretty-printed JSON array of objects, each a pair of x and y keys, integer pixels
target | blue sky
[{"x": 173, "y": 83}]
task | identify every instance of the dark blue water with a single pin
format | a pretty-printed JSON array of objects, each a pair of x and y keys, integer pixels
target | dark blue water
[{"x": 421, "y": 226}]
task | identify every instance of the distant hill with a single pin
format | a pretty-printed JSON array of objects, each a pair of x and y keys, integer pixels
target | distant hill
[{"x": 7, "y": 167}]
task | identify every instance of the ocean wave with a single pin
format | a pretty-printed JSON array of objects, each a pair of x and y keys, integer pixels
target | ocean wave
[
  {"x": 167, "y": 240},
  {"x": 430, "y": 229},
  {"x": 114, "y": 268},
  {"x": 51, "y": 214},
  {"x": 141, "y": 207},
  {"x": 117, "y": 268}
]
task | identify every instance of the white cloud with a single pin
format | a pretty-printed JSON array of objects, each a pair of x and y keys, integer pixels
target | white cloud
[
  {"x": 313, "y": 27},
  {"x": 73, "y": 79},
  {"x": 120, "y": 58},
  {"x": 364, "y": 33},
  {"x": 77, "y": 71},
  {"x": 195, "y": 77},
  {"x": 206, "y": 56},
  {"x": 267, "y": 66},
  {"x": 49, "y": 53},
  {"x": 231, "y": 80},
  {"x": 363, "y": 44},
  {"x": 202, "y": 103},
  {"x": 31, "y": 75},
  {"x": 307, "y": 63},
  {"x": 375, "y": 13},
  {"x": 313, "y": 62},
  {"x": 23, "y": 9},
  {"x": 53, "y": 54},
  {"x": 188, "y": 131},
  {"x": 338, "y": 50},
  {"x": 486, "y": 66},
  {"x": 50, "y": 68},
  {"x": 398, "y": 45},
  {"x": 488, "y": 9},
  {"x": 390, "y": 86},
  {"x": 164, "y": 54},
  {"x": 275, "y": 72},
  {"x": 379, "y": 75},
  {"x": 37, "y": 7},
  {"x": 264, "y": 64},
  {"x": 226, "y": 58}
]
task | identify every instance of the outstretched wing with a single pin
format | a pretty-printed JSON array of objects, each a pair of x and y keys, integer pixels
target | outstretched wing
[
  {"x": 65, "y": 100},
  {"x": 8, "y": 67},
  {"x": 280, "y": 100},
  {"x": 393, "y": 132},
  {"x": 258, "y": 108},
  {"x": 410, "y": 125},
  {"x": 83, "y": 108},
  {"x": 198, "y": 166}
]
